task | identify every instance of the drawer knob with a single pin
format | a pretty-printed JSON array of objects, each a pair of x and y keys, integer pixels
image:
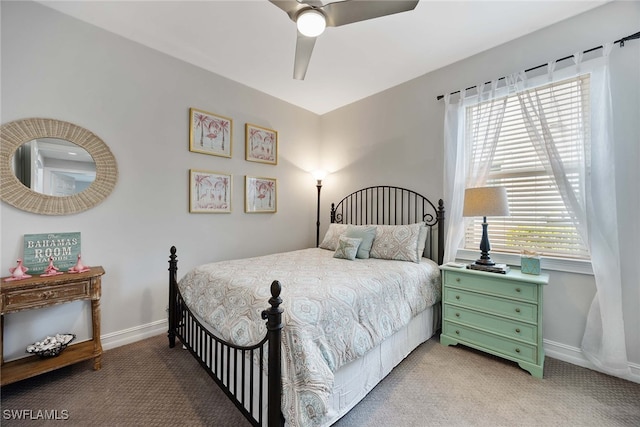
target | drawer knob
[
  {"x": 458, "y": 279},
  {"x": 517, "y": 310},
  {"x": 517, "y": 289},
  {"x": 457, "y": 314},
  {"x": 457, "y": 296},
  {"x": 457, "y": 332},
  {"x": 517, "y": 350},
  {"x": 518, "y": 330}
]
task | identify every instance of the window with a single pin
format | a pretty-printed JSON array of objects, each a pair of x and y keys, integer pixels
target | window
[{"x": 539, "y": 219}]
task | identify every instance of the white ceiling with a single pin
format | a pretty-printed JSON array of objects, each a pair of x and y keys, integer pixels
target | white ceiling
[{"x": 253, "y": 42}]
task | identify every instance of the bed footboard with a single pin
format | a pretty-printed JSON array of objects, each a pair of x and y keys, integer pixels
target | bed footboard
[{"x": 238, "y": 370}]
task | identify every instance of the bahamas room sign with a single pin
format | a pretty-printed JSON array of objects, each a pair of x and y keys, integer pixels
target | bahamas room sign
[{"x": 63, "y": 248}]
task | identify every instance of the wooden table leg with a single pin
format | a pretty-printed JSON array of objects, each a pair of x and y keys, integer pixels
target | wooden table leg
[
  {"x": 2, "y": 339},
  {"x": 97, "y": 345}
]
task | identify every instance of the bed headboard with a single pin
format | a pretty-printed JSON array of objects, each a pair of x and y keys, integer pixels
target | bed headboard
[{"x": 393, "y": 206}]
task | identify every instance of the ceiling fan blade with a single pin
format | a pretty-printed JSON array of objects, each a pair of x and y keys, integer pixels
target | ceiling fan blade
[
  {"x": 347, "y": 12},
  {"x": 304, "y": 47},
  {"x": 291, "y": 7},
  {"x": 314, "y": 3}
]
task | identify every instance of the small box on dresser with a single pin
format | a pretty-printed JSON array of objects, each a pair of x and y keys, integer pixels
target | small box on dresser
[
  {"x": 500, "y": 314},
  {"x": 530, "y": 265}
]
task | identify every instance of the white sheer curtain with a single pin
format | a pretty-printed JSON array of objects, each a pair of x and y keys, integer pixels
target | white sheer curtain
[
  {"x": 591, "y": 205},
  {"x": 454, "y": 173},
  {"x": 466, "y": 165},
  {"x": 593, "y": 208}
]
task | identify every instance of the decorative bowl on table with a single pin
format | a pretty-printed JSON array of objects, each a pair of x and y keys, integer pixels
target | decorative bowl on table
[{"x": 51, "y": 346}]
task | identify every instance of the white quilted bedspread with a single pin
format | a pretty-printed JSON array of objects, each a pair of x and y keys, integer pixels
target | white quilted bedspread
[{"x": 335, "y": 310}]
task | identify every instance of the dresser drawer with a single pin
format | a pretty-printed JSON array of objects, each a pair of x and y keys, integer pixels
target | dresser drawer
[
  {"x": 495, "y": 343},
  {"x": 509, "y": 328},
  {"x": 490, "y": 304},
  {"x": 46, "y": 295},
  {"x": 497, "y": 286}
]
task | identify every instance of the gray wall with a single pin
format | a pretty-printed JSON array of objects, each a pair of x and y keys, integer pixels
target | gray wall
[
  {"x": 397, "y": 136},
  {"x": 137, "y": 101}
]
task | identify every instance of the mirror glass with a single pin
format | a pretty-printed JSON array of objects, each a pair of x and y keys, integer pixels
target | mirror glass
[{"x": 54, "y": 167}]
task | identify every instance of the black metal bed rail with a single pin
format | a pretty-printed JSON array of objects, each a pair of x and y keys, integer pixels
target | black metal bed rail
[
  {"x": 238, "y": 370},
  {"x": 391, "y": 205}
]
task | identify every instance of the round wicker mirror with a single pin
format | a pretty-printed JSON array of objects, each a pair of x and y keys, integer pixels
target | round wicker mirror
[{"x": 12, "y": 191}]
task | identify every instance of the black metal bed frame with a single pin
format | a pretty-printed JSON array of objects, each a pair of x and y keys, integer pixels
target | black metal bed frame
[
  {"x": 235, "y": 368},
  {"x": 390, "y": 205}
]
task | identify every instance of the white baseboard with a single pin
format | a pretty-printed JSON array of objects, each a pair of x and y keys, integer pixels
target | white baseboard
[
  {"x": 574, "y": 356},
  {"x": 131, "y": 335}
]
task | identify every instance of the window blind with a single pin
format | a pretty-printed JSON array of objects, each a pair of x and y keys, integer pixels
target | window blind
[{"x": 538, "y": 220}]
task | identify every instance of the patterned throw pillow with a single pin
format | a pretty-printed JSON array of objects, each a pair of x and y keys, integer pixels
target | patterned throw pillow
[
  {"x": 347, "y": 248},
  {"x": 365, "y": 232},
  {"x": 334, "y": 232},
  {"x": 397, "y": 242}
]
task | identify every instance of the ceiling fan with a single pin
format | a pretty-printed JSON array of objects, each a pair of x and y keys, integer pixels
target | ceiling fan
[{"x": 312, "y": 16}]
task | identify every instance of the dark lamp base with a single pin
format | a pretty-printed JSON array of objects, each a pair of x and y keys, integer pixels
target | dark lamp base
[{"x": 485, "y": 261}]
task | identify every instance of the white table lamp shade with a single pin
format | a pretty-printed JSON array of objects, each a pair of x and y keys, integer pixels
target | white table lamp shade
[{"x": 485, "y": 201}]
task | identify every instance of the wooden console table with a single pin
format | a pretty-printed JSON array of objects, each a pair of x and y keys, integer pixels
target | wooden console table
[{"x": 38, "y": 292}]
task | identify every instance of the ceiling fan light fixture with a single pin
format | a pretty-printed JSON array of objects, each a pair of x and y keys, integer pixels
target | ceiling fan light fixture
[{"x": 311, "y": 22}]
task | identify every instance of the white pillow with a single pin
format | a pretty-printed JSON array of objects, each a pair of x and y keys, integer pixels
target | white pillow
[
  {"x": 332, "y": 235},
  {"x": 423, "y": 251},
  {"x": 397, "y": 242}
]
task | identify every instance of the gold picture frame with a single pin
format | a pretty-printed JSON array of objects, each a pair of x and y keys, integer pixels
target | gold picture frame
[
  {"x": 209, "y": 192},
  {"x": 261, "y": 144},
  {"x": 210, "y": 133},
  {"x": 261, "y": 194}
]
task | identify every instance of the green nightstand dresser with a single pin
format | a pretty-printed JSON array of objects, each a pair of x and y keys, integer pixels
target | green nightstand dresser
[{"x": 500, "y": 314}]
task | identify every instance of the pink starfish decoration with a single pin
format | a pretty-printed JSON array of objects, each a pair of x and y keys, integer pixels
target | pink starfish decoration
[{"x": 18, "y": 272}]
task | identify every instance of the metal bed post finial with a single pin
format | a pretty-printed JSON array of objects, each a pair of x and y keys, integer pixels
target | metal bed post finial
[{"x": 273, "y": 316}]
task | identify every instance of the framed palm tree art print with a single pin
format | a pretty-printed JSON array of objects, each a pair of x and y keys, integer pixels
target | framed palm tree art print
[
  {"x": 210, "y": 133},
  {"x": 261, "y": 144},
  {"x": 261, "y": 195},
  {"x": 209, "y": 192}
]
